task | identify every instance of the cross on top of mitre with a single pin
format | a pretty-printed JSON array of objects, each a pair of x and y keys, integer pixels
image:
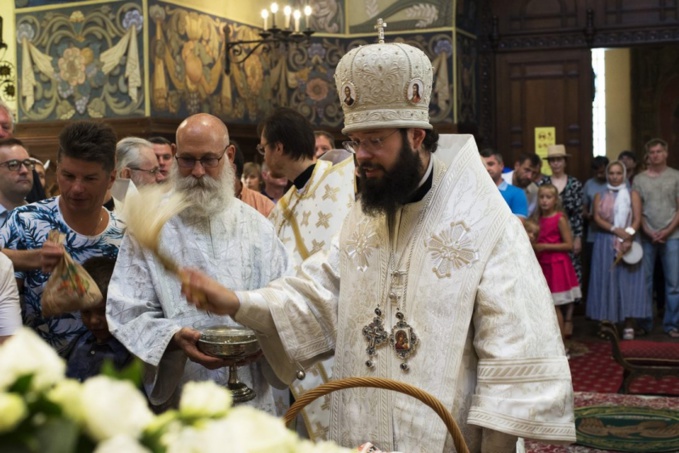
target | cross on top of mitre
[{"x": 381, "y": 25}]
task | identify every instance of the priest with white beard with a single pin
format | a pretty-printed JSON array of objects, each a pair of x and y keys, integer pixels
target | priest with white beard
[{"x": 218, "y": 234}]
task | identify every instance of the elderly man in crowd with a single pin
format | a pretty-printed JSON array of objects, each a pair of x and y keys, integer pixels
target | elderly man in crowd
[
  {"x": 218, "y": 234},
  {"x": 431, "y": 281},
  {"x": 136, "y": 161},
  {"x": 85, "y": 171}
]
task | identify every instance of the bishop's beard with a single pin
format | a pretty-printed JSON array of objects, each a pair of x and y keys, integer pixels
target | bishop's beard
[
  {"x": 207, "y": 196},
  {"x": 385, "y": 195}
]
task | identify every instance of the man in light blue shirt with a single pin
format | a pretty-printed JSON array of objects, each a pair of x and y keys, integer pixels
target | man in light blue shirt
[{"x": 515, "y": 197}]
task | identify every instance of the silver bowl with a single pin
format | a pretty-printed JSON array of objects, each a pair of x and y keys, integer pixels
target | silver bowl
[
  {"x": 232, "y": 343},
  {"x": 227, "y": 342}
]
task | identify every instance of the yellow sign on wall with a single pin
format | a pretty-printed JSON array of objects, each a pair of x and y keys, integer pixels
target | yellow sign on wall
[{"x": 544, "y": 137}]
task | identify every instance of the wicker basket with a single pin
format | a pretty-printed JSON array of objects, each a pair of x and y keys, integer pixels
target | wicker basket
[{"x": 387, "y": 384}]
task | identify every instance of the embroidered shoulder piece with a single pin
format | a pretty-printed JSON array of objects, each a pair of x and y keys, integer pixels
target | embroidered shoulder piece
[{"x": 451, "y": 248}]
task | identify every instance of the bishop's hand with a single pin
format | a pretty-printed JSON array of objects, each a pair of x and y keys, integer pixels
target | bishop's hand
[{"x": 207, "y": 294}]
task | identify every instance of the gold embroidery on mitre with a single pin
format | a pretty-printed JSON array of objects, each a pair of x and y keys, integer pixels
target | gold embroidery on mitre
[
  {"x": 451, "y": 249},
  {"x": 361, "y": 244}
]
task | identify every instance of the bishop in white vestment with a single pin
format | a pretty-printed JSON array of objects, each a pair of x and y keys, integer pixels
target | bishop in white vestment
[{"x": 432, "y": 281}]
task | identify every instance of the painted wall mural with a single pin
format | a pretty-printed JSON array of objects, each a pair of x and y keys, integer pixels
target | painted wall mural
[
  {"x": 327, "y": 15},
  {"x": 87, "y": 61},
  {"x": 400, "y": 15},
  {"x": 187, "y": 73},
  {"x": 83, "y": 62}
]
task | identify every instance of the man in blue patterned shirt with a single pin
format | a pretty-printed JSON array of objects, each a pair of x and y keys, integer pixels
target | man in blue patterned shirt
[{"x": 85, "y": 171}]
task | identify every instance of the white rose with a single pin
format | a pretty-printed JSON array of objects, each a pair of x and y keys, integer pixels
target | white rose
[
  {"x": 26, "y": 353},
  {"x": 67, "y": 394},
  {"x": 112, "y": 407},
  {"x": 12, "y": 411},
  {"x": 117, "y": 444},
  {"x": 257, "y": 431},
  {"x": 204, "y": 399}
]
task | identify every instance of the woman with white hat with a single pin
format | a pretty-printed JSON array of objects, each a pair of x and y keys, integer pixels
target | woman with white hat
[
  {"x": 617, "y": 291},
  {"x": 570, "y": 192}
]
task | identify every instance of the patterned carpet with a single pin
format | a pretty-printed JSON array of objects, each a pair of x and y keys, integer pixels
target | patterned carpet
[
  {"x": 596, "y": 380},
  {"x": 594, "y": 370},
  {"x": 603, "y": 399}
]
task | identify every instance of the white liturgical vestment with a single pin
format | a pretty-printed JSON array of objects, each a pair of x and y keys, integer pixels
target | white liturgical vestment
[
  {"x": 484, "y": 337},
  {"x": 305, "y": 220},
  {"x": 145, "y": 308}
]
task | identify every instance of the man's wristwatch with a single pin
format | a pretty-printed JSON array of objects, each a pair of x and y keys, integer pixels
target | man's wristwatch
[{"x": 631, "y": 231}]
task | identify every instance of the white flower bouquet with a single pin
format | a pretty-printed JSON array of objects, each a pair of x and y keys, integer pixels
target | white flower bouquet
[{"x": 42, "y": 411}]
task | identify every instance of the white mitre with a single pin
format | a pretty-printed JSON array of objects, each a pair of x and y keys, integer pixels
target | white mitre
[{"x": 384, "y": 86}]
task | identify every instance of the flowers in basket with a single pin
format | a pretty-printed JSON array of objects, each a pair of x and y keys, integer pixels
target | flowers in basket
[{"x": 42, "y": 411}]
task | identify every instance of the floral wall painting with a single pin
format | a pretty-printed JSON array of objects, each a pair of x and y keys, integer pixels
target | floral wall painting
[
  {"x": 80, "y": 63},
  {"x": 187, "y": 53},
  {"x": 402, "y": 15}
]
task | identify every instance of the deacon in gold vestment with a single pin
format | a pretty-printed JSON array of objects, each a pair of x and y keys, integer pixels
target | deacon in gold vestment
[
  {"x": 432, "y": 282},
  {"x": 306, "y": 218}
]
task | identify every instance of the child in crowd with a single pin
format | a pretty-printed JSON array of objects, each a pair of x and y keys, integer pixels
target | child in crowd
[
  {"x": 97, "y": 344},
  {"x": 532, "y": 229},
  {"x": 554, "y": 242}
]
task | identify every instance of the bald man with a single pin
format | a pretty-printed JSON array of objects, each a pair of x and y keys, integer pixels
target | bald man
[{"x": 218, "y": 234}]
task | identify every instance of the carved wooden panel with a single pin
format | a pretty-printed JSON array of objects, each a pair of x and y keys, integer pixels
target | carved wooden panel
[{"x": 536, "y": 89}]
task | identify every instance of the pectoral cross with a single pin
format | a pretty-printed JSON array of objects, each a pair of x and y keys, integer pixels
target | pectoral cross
[
  {"x": 375, "y": 335},
  {"x": 381, "y": 25}
]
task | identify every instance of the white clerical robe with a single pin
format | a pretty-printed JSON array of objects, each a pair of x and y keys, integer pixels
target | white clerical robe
[
  {"x": 306, "y": 220},
  {"x": 145, "y": 308},
  {"x": 489, "y": 345}
]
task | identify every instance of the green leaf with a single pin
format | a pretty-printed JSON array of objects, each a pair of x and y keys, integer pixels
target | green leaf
[
  {"x": 57, "y": 435},
  {"x": 22, "y": 385},
  {"x": 133, "y": 372}
]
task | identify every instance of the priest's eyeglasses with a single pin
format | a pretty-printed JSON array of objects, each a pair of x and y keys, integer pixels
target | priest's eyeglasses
[
  {"x": 15, "y": 164},
  {"x": 370, "y": 145},
  {"x": 152, "y": 171},
  {"x": 206, "y": 162}
]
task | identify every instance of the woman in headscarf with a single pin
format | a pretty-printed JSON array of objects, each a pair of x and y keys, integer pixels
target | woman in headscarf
[{"x": 617, "y": 290}]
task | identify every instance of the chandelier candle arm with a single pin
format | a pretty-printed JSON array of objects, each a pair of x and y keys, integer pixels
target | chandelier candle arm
[{"x": 237, "y": 51}]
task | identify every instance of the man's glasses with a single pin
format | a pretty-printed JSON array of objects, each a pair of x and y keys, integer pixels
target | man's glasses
[
  {"x": 15, "y": 164},
  {"x": 206, "y": 162},
  {"x": 152, "y": 171},
  {"x": 370, "y": 145},
  {"x": 261, "y": 149}
]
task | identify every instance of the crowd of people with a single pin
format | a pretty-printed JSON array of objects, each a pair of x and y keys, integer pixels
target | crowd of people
[
  {"x": 622, "y": 222},
  {"x": 442, "y": 287}
]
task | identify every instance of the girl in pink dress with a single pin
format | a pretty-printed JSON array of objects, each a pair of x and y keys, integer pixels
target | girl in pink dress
[{"x": 554, "y": 242}]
